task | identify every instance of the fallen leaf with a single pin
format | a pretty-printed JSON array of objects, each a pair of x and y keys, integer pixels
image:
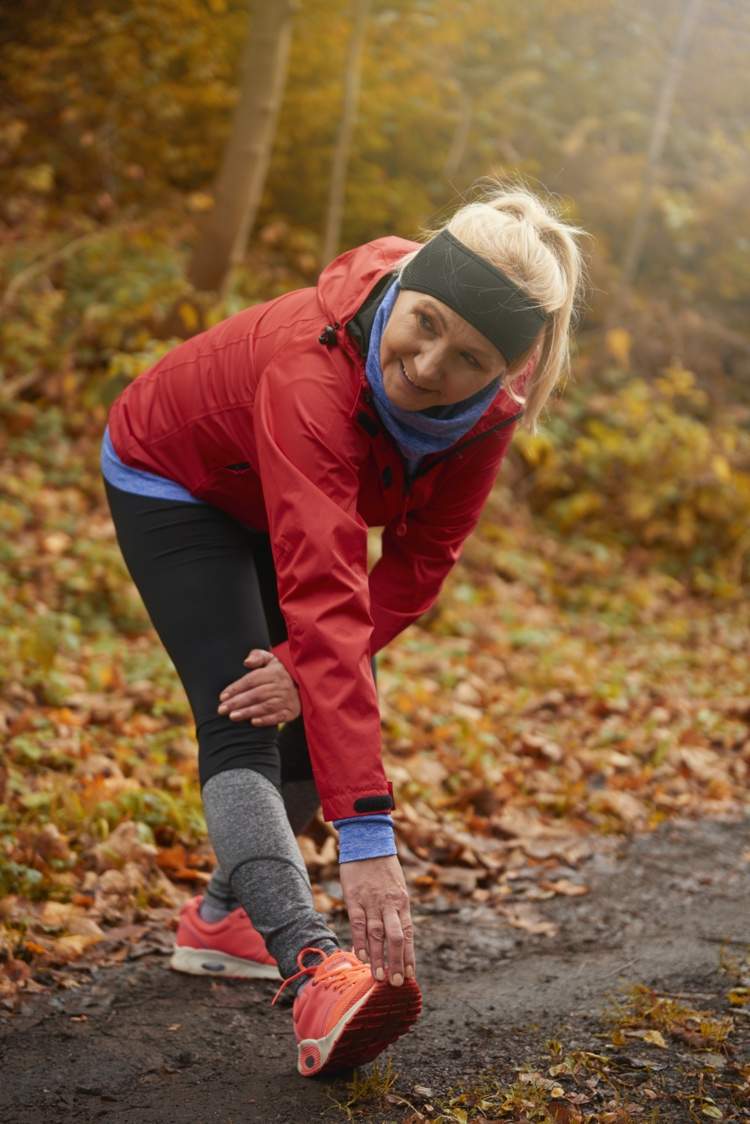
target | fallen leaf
[
  {"x": 125, "y": 845},
  {"x": 566, "y": 887},
  {"x": 629, "y": 809},
  {"x": 653, "y": 1037},
  {"x": 523, "y": 916}
]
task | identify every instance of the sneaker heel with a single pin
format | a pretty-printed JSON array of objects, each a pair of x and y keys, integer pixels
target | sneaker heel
[{"x": 308, "y": 1058}]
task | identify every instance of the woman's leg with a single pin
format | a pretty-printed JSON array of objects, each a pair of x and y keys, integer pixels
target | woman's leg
[
  {"x": 195, "y": 570},
  {"x": 298, "y": 790},
  {"x": 301, "y": 801}
]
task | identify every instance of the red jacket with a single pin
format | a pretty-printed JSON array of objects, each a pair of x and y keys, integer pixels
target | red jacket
[{"x": 260, "y": 418}]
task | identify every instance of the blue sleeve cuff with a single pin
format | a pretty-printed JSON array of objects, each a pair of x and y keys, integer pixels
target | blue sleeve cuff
[{"x": 365, "y": 837}]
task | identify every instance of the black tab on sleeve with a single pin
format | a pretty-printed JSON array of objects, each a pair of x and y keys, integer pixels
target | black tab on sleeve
[{"x": 382, "y": 803}]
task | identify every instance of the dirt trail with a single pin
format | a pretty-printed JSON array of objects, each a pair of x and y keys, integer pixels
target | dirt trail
[{"x": 141, "y": 1043}]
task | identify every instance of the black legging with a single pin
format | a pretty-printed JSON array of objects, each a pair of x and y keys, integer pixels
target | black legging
[{"x": 209, "y": 586}]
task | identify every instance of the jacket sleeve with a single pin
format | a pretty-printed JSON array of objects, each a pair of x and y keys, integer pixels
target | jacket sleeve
[
  {"x": 308, "y": 456},
  {"x": 406, "y": 580}
]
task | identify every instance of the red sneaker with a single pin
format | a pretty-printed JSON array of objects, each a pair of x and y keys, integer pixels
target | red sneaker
[
  {"x": 230, "y": 947},
  {"x": 344, "y": 1017}
]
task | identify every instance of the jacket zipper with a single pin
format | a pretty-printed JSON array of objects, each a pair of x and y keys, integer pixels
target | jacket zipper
[{"x": 401, "y": 527}]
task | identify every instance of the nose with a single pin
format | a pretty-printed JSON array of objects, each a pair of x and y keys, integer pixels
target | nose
[{"x": 427, "y": 367}]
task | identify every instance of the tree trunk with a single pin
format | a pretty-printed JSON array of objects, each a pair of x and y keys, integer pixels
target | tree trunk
[
  {"x": 332, "y": 234},
  {"x": 634, "y": 249},
  {"x": 240, "y": 181}
]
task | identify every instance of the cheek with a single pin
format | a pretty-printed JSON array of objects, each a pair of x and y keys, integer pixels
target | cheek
[{"x": 398, "y": 343}]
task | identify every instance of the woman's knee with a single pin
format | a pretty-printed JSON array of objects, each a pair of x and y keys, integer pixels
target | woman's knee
[{"x": 224, "y": 745}]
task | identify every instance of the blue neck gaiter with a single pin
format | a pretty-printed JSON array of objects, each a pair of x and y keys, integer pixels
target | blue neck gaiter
[{"x": 418, "y": 432}]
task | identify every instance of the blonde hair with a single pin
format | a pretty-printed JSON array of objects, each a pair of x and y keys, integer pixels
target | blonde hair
[{"x": 524, "y": 236}]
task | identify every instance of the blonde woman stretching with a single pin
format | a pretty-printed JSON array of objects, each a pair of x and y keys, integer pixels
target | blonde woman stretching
[{"x": 243, "y": 471}]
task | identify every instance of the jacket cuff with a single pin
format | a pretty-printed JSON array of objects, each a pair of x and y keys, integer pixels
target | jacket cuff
[{"x": 345, "y": 804}]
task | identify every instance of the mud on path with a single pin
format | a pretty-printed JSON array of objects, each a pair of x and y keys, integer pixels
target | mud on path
[{"x": 139, "y": 1042}]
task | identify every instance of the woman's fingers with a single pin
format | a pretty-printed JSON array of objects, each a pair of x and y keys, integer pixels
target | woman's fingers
[
  {"x": 395, "y": 939},
  {"x": 258, "y": 696},
  {"x": 376, "y": 945},
  {"x": 358, "y": 923},
  {"x": 264, "y": 679},
  {"x": 258, "y": 657},
  {"x": 243, "y": 711},
  {"x": 407, "y": 928}
]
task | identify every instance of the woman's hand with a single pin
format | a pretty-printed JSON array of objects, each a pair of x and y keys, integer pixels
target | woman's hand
[
  {"x": 378, "y": 905},
  {"x": 265, "y": 696}
]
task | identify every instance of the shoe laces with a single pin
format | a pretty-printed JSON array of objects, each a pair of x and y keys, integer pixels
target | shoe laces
[{"x": 336, "y": 980}]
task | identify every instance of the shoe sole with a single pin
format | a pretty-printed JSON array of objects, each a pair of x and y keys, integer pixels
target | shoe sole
[
  {"x": 381, "y": 1016},
  {"x": 206, "y": 962}
]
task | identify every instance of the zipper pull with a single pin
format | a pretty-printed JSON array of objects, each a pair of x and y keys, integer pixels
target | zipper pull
[{"x": 328, "y": 336}]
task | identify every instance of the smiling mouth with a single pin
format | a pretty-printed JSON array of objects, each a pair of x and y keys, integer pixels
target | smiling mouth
[{"x": 413, "y": 385}]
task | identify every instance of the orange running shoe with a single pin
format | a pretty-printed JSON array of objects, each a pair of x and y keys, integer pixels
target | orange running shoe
[
  {"x": 345, "y": 1018},
  {"x": 230, "y": 947}
]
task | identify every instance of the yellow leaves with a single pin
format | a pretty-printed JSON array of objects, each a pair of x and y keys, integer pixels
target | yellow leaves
[
  {"x": 618, "y": 343},
  {"x": 577, "y": 508},
  {"x": 42, "y": 640},
  {"x": 39, "y": 178},
  {"x": 199, "y": 202},
  {"x": 653, "y": 1037},
  {"x": 535, "y": 447},
  {"x": 677, "y": 381},
  {"x": 189, "y": 316},
  {"x": 643, "y": 466},
  {"x": 739, "y": 996},
  {"x": 646, "y": 1015},
  {"x": 640, "y": 505},
  {"x": 721, "y": 468},
  {"x": 56, "y": 543}
]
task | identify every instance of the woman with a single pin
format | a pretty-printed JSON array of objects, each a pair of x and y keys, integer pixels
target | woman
[{"x": 242, "y": 472}]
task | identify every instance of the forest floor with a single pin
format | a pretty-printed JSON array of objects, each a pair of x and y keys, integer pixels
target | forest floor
[
  {"x": 569, "y": 734},
  {"x": 633, "y": 1010}
]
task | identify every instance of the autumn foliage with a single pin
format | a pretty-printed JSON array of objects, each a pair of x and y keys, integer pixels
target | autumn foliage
[{"x": 585, "y": 672}]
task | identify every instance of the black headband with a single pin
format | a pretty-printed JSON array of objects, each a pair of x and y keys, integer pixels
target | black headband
[{"x": 477, "y": 291}]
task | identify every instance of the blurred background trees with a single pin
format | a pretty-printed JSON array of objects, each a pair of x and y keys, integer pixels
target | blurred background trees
[{"x": 142, "y": 154}]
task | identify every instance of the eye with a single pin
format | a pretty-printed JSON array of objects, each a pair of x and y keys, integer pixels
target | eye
[
  {"x": 425, "y": 321},
  {"x": 477, "y": 366}
]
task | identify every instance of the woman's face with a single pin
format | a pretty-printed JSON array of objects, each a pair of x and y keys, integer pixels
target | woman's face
[{"x": 431, "y": 356}]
